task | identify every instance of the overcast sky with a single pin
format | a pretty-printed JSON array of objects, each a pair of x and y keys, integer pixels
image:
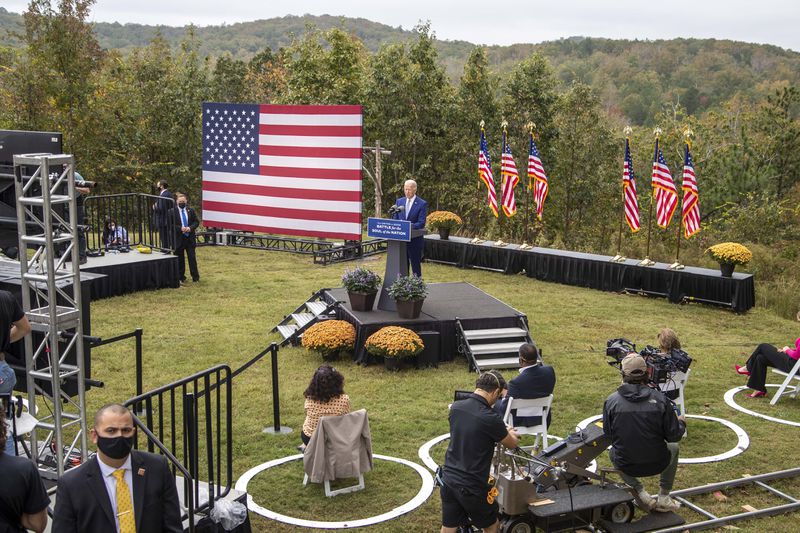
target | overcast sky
[{"x": 495, "y": 22}]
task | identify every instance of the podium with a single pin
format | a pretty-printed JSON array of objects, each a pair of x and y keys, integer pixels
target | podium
[{"x": 398, "y": 233}]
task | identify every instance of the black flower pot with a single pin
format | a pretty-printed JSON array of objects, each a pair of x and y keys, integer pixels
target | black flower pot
[
  {"x": 409, "y": 308},
  {"x": 361, "y": 301},
  {"x": 393, "y": 364},
  {"x": 727, "y": 269},
  {"x": 444, "y": 233}
]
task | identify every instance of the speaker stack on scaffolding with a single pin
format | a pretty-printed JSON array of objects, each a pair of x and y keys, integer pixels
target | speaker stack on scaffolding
[{"x": 60, "y": 436}]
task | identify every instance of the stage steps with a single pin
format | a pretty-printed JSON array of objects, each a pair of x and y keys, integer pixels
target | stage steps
[
  {"x": 489, "y": 348},
  {"x": 293, "y": 325}
]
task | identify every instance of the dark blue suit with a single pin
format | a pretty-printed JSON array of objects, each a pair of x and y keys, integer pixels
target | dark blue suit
[
  {"x": 534, "y": 382},
  {"x": 417, "y": 216}
]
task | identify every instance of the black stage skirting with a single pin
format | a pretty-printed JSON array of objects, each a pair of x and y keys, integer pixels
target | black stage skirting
[
  {"x": 445, "y": 302},
  {"x": 132, "y": 272},
  {"x": 597, "y": 272}
]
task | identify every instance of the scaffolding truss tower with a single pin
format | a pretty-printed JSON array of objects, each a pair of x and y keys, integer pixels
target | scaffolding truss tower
[{"x": 60, "y": 434}]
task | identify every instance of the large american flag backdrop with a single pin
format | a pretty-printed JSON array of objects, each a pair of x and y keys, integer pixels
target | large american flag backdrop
[{"x": 284, "y": 169}]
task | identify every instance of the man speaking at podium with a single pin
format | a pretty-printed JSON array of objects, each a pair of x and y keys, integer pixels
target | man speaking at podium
[{"x": 415, "y": 210}]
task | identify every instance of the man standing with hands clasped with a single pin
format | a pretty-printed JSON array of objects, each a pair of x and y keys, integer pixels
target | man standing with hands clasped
[
  {"x": 119, "y": 490},
  {"x": 185, "y": 223}
]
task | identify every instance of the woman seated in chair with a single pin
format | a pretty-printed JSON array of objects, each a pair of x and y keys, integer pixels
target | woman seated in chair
[
  {"x": 114, "y": 235},
  {"x": 668, "y": 341},
  {"x": 765, "y": 356},
  {"x": 324, "y": 397}
]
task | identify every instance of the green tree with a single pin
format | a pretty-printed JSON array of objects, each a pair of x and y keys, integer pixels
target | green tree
[{"x": 583, "y": 189}]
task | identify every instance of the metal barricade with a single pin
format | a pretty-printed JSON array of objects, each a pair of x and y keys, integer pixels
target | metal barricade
[
  {"x": 135, "y": 214},
  {"x": 190, "y": 422}
]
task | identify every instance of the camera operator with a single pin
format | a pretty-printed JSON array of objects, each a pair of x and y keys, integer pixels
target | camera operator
[
  {"x": 644, "y": 429},
  {"x": 474, "y": 430}
]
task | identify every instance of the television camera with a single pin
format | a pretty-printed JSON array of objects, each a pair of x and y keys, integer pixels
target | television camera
[
  {"x": 661, "y": 367},
  {"x": 552, "y": 490}
]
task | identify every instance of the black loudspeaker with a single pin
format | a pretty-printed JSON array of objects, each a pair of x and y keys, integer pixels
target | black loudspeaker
[{"x": 430, "y": 355}]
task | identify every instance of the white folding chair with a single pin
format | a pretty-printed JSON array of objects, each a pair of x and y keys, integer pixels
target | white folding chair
[
  {"x": 530, "y": 408},
  {"x": 678, "y": 382},
  {"x": 791, "y": 375}
]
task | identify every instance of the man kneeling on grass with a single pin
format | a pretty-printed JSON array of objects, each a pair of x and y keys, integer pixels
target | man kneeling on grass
[{"x": 644, "y": 428}]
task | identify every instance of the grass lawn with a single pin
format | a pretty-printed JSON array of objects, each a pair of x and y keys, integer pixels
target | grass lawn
[{"x": 244, "y": 293}]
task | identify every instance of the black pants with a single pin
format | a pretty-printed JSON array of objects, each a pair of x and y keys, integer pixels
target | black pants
[
  {"x": 765, "y": 356},
  {"x": 184, "y": 249}
]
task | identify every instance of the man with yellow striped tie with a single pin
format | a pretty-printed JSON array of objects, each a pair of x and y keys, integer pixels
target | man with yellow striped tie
[{"x": 111, "y": 491}]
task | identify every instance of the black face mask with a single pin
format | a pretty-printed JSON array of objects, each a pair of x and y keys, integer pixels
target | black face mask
[
  {"x": 182, "y": 204},
  {"x": 115, "y": 447}
]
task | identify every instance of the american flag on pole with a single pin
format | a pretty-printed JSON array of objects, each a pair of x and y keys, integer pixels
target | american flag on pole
[
  {"x": 629, "y": 190},
  {"x": 510, "y": 179},
  {"x": 691, "y": 207},
  {"x": 285, "y": 169},
  {"x": 536, "y": 172},
  {"x": 666, "y": 195},
  {"x": 485, "y": 173}
]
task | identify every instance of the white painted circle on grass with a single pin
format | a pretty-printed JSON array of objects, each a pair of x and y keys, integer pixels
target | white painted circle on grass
[
  {"x": 742, "y": 444},
  {"x": 732, "y": 403},
  {"x": 420, "y": 498}
]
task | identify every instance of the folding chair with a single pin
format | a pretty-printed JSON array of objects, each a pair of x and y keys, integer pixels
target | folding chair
[
  {"x": 678, "y": 382},
  {"x": 791, "y": 375},
  {"x": 335, "y": 436},
  {"x": 530, "y": 408}
]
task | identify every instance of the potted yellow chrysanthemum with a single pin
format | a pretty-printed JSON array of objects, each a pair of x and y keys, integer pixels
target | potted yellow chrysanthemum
[
  {"x": 329, "y": 338},
  {"x": 394, "y": 343},
  {"x": 443, "y": 222},
  {"x": 729, "y": 254}
]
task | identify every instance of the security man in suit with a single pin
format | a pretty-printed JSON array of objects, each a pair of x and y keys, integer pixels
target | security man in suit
[
  {"x": 119, "y": 490},
  {"x": 184, "y": 221},
  {"x": 161, "y": 209},
  {"x": 414, "y": 209},
  {"x": 535, "y": 380}
]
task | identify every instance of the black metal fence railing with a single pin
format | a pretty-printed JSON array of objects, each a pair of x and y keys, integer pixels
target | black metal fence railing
[
  {"x": 139, "y": 219},
  {"x": 189, "y": 422}
]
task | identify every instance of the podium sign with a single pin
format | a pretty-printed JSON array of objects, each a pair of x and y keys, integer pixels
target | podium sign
[
  {"x": 389, "y": 229},
  {"x": 399, "y": 233}
]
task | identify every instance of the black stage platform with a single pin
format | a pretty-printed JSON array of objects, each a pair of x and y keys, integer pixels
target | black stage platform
[
  {"x": 132, "y": 272},
  {"x": 597, "y": 272},
  {"x": 445, "y": 303}
]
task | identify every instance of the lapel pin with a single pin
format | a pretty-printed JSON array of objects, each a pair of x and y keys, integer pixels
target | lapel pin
[{"x": 141, "y": 471}]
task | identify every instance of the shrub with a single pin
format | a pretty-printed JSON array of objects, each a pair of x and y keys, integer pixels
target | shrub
[
  {"x": 394, "y": 341},
  {"x": 443, "y": 220},
  {"x": 362, "y": 280},
  {"x": 329, "y": 337},
  {"x": 730, "y": 252},
  {"x": 408, "y": 288}
]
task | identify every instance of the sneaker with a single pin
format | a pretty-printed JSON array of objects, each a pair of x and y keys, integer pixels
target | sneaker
[
  {"x": 301, "y": 448},
  {"x": 665, "y": 504},
  {"x": 644, "y": 501}
]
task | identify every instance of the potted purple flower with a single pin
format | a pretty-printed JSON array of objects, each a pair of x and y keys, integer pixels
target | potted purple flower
[
  {"x": 409, "y": 293},
  {"x": 362, "y": 285}
]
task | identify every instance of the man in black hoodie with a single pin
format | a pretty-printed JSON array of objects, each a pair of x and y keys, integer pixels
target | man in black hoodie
[{"x": 644, "y": 428}]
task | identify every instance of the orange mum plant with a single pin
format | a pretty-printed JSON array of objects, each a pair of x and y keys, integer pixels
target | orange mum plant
[
  {"x": 394, "y": 341},
  {"x": 330, "y": 337}
]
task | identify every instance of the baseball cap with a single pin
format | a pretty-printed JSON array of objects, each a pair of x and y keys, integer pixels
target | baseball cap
[{"x": 633, "y": 364}]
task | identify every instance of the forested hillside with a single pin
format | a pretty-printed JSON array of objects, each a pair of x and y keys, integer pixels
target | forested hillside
[
  {"x": 632, "y": 78},
  {"x": 132, "y": 115}
]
